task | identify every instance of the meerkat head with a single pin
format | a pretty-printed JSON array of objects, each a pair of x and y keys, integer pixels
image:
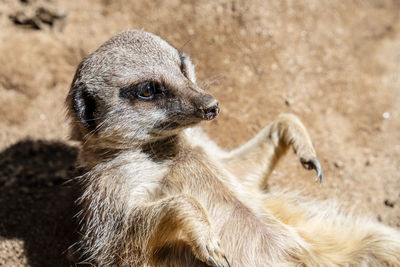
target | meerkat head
[{"x": 136, "y": 88}]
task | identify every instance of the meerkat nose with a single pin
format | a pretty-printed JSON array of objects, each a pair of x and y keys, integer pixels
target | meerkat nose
[
  {"x": 209, "y": 108},
  {"x": 212, "y": 111}
]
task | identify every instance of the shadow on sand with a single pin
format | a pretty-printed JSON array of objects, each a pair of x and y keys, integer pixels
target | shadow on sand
[{"x": 36, "y": 203}]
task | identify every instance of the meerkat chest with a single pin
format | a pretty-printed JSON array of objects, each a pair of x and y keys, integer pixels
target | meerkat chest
[
  {"x": 142, "y": 178},
  {"x": 137, "y": 177},
  {"x": 195, "y": 173},
  {"x": 190, "y": 171}
]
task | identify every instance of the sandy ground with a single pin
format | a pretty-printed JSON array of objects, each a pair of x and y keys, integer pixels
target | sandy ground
[{"x": 335, "y": 64}]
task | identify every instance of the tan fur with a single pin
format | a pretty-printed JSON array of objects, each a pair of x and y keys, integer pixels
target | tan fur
[{"x": 159, "y": 192}]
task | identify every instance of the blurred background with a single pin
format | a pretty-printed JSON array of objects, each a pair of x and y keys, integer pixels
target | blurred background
[{"x": 335, "y": 64}]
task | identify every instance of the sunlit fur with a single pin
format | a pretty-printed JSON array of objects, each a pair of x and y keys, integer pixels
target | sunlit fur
[{"x": 176, "y": 199}]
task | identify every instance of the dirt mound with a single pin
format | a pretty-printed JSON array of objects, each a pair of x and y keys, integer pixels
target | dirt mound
[{"x": 333, "y": 63}]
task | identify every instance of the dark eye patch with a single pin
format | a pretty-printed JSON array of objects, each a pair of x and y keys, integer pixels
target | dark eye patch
[
  {"x": 147, "y": 90},
  {"x": 84, "y": 105}
]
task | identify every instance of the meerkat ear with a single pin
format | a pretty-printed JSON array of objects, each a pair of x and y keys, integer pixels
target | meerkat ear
[
  {"x": 84, "y": 105},
  {"x": 187, "y": 68}
]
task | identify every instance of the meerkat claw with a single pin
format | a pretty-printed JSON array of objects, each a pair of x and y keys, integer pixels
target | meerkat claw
[
  {"x": 320, "y": 176},
  {"x": 214, "y": 264},
  {"x": 211, "y": 260},
  {"x": 314, "y": 164},
  {"x": 227, "y": 261}
]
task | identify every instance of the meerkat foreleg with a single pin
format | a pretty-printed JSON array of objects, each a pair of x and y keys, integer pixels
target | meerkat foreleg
[
  {"x": 166, "y": 220},
  {"x": 255, "y": 160}
]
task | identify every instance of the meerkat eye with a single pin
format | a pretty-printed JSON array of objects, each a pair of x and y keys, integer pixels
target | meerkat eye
[
  {"x": 147, "y": 90},
  {"x": 142, "y": 91}
]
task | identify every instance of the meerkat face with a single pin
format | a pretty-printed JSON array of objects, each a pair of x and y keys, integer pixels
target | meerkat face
[{"x": 137, "y": 88}]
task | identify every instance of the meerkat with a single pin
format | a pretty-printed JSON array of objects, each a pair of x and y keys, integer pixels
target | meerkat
[{"x": 159, "y": 192}]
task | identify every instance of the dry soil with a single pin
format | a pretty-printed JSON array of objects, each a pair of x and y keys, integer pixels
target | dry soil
[{"x": 335, "y": 64}]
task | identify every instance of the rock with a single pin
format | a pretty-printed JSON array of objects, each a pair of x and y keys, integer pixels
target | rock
[
  {"x": 39, "y": 16},
  {"x": 338, "y": 164},
  {"x": 389, "y": 203}
]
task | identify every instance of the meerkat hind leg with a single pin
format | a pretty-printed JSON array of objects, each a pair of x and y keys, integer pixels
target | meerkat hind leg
[{"x": 333, "y": 237}]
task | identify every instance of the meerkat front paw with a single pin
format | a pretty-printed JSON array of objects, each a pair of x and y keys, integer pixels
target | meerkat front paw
[
  {"x": 293, "y": 133},
  {"x": 209, "y": 251}
]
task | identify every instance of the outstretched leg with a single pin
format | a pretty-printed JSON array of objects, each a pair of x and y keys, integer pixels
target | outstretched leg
[
  {"x": 332, "y": 237},
  {"x": 254, "y": 161}
]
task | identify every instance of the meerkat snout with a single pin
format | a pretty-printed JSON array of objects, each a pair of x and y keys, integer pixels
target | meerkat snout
[{"x": 208, "y": 107}]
